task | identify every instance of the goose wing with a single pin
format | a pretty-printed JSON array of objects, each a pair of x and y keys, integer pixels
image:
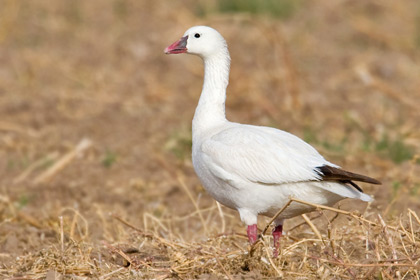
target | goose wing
[{"x": 261, "y": 155}]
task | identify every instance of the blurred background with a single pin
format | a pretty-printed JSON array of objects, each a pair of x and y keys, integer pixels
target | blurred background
[{"x": 95, "y": 119}]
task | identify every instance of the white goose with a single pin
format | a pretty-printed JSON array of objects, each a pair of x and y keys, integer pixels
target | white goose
[{"x": 254, "y": 169}]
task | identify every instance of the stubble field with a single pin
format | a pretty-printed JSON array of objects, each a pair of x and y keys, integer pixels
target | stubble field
[{"x": 95, "y": 137}]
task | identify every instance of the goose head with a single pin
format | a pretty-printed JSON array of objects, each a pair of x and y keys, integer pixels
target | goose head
[{"x": 203, "y": 41}]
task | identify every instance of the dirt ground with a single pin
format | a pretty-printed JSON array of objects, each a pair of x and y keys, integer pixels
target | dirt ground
[{"x": 95, "y": 137}]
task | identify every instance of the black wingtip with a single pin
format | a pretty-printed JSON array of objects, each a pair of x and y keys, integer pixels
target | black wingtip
[
  {"x": 356, "y": 186},
  {"x": 333, "y": 173},
  {"x": 376, "y": 182}
]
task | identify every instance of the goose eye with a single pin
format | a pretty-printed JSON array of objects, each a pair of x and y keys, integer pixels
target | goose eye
[{"x": 196, "y": 35}]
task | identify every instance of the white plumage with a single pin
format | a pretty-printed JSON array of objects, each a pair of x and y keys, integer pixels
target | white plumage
[
  {"x": 253, "y": 169},
  {"x": 256, "y": 170}
]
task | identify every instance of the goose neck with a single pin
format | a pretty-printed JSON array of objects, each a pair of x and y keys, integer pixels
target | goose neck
[
  {"x": 211, "y": 106},
  {"x": 216, "y": 72}
]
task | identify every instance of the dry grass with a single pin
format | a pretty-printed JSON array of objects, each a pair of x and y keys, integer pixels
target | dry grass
[{"x": 97, "y": 180}]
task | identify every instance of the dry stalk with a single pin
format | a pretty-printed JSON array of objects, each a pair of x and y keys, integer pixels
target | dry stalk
[
  {"x": 185, "y": 188},
  {"x": 270, "y": 259},
  {"x": 414, "y": 214},
  {"x": 410, "y": 214},
  {"x": 224, "y": 269},
  {"x": 119, "y": 252},
  {"x": 61, "y": 233},
  {"x": 180, "y": 179},
  {"x": 74, "y": 223},
  {"x": 304, "y": 222},
  {"x": 388, "y": 236},
  {"x": 222, "y": 216},
  {"x": 153, "y": 218},
  {"x": 163, "y": 241},
  {"x": 347, "y": 213},
  {"x": 405, "y": 247},
  {"x": 83, "y": 145},
  {"x": 194, "y": 213},
  {"x": 6, "y": 126},
  {"x": 314, "y": 229},
  {"x": 29, "y": 219},
  {"x": 22, "y": 177},
  {"x": 318, "y": 206},
  {"x": 275, "y": 216},
  {"x": 379, "y": 264},
  {"x": 107, "y": 275}
]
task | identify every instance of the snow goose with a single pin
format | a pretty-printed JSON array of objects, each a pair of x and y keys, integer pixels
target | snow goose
[{"x": 254, "y": 169}]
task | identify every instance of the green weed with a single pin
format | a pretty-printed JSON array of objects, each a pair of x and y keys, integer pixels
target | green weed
[
  {"x": 396, "y": 186},
  {"x": 109, "y": 159},
  {"x": 121, "y": 8},
  {"x": 11, "y": 164},
  {"x": 47, "y": 162},
  {"x": 73, "y": 12},
  {"x": 23, "y": 201},
  {"x": 335, "y": 147},
  {"x": 180, "y": 144},
  {"x": 310, "y": 136},
  {"x": 414, "y": 191},
  {"x": 276, "y": 8},
  {"x": 396, "y": 149}
]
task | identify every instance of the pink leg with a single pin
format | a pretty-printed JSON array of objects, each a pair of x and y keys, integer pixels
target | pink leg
[
  {"x": 252, "y": 233},
  {"x": 277, "y": 232}
]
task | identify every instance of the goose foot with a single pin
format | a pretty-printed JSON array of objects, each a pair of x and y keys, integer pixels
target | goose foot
[{"x": 252, "y": 233}]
